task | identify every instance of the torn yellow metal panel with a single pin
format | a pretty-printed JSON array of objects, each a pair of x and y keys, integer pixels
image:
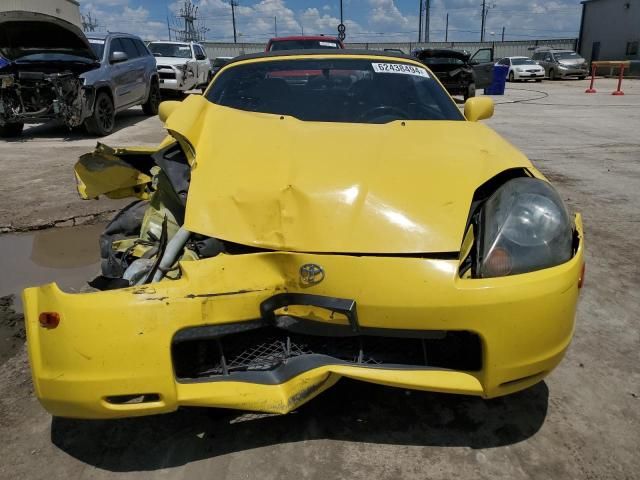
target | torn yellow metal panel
[{"x": 103, "y": 172}]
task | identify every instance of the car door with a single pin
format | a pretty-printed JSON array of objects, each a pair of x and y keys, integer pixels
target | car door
[
  {"x": 136, "y": 66},
  {"x": 120, "y": 76},
  {"x": 203, "y": 64},
  {"x": 482, "y": 63},
  {"x": 547, "y": 62}
]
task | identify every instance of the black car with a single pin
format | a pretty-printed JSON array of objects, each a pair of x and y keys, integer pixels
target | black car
[{"x": 458, "y": 71}]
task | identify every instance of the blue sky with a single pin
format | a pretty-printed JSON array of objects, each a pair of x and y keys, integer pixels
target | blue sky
[{"x": 366, "y": 20}]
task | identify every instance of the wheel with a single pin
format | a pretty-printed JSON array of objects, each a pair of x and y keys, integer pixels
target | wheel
[
  {"x": 471, "y": 91},
  {"x": 150, "y": 107},
  {"x": 512, "y": 77},
  {"x": 581, "y": 77},
  {"x": 538, "y": 80},
  {"x": 552, "y": 74},
  {"x": 11, "y": 129},
  {"x": 103, "y": 118}
]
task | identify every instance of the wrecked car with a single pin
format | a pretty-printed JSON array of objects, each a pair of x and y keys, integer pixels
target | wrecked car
[
  {"x": 255, "y": 273},
  {"x": 459, "y": 72},
  {"x": 182, "y": 66},
  {"x": 42, "y": 59}
]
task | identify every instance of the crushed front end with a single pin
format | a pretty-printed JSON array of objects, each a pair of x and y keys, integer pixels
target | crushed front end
[
  {"x": 28, "y": 96},
  {"x": 259, "y": 329}
]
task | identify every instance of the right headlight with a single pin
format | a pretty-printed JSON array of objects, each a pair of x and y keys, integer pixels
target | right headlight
[{"x": 524, "y": 226}]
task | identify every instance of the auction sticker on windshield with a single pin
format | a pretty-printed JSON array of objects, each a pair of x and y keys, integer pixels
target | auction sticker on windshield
[{"x": 399, "y": 68}]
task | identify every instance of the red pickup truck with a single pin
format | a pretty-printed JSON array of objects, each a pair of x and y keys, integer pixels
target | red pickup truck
[{"x": 308, "y": 42}]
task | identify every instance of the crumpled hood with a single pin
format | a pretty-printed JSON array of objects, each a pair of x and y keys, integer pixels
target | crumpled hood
[
  {"x": 29, "y": 33},
  {"x": 280, "y": 183}
]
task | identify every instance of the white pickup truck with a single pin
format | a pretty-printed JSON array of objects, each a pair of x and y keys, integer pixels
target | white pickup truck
[{"x": 182, "y": 66}]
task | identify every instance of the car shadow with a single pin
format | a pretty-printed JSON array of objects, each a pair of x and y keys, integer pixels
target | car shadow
[
  {"x": 55, "y": 129},
  {"x": 350, "y": 411}
]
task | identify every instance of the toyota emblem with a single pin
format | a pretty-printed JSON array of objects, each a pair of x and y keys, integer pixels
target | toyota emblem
[{"x": 311, "y": 274}]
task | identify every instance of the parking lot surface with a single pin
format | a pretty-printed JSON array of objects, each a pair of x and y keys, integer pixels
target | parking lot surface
[{"x": 582, "y": 422}]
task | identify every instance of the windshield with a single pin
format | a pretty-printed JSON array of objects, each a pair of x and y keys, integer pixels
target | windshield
[
  {"x": 303, "y": 44},
  {"x": 170, "y": 50},
  {"x": 522, "y": 61},
  {"x": 567, "y": 56},
  {"x": 335, "y": 90},
  {"x": 97, "y": 46},
  {"x": 220, "y": 62},
  {"x": 442, "y": 61}
]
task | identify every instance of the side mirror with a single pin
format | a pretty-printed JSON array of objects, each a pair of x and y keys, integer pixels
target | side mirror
[
  {"x": 117, "y": 57},
  {"x": 166, "y": 109},
  {"x": 478, "y": 108}
]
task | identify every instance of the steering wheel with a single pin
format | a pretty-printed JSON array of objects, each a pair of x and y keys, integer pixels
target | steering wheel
[{"x": 384, "y": 110}]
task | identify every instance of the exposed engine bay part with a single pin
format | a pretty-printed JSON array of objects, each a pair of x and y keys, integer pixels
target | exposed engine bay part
[
  {"x": 27, "y": 96},
  {"x": 171, "y": 253},
  {"x": 144, "y": 240}
]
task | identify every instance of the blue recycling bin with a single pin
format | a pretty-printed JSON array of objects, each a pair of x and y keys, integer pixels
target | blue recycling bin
[{"x": 498, "y": 81}]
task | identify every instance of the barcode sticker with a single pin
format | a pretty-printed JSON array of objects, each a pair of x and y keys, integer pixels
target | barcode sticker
[{"x": 401, "y": 68}]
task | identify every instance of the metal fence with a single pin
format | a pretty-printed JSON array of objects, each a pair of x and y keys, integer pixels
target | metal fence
[{"x": 501, "y": 49}]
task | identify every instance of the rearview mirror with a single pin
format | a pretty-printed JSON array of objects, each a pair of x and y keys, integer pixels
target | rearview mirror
[
  {"x": 117, "y": 57},
  {"x": 478, "y": 108},
  {"x": 166, "y": 108}
]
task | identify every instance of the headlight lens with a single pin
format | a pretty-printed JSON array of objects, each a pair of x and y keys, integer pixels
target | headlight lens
[{"x": 524, "y": 226}]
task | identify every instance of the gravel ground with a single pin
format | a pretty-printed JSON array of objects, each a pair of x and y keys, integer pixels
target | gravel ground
[{"x": 582, "y": 422}]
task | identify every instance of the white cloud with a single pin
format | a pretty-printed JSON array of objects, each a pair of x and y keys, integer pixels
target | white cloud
[{"x": 119, "y": 16}]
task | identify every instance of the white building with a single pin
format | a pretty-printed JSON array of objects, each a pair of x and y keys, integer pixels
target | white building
[{"x": 68, "y": 10}]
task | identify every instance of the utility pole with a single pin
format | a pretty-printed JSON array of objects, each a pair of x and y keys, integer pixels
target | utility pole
[
  {"x": 446, "y": 29},
  {"x": 275, "y": 25},
  {"x": 484, "y": 14},
  {"x": 169, "y": 27},
  {"x": 427, "y": 7},
  {"x": 503, "y": 34},
  {"x": 420, "y": 23},
  {"x": 234, "y": 4}
]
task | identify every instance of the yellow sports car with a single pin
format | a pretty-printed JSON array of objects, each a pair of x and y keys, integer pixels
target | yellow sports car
[{"x": 313, "y": 215}]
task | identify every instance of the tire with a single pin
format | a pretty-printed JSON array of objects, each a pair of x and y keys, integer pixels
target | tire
[
  {"x": 103, "y": 118},
  {"x": 581, "y": 77},
  {"x": 150, "y": 107},
  {"x": 471, "y": 91},
  {"x": 512, "y": 77},
  {"x": 9, "y": 130},
  {"x": 552, "y": 74},
  {"x": 538, "y": 80}
]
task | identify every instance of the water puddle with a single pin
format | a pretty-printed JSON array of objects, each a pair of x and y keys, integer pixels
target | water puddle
[{"x": 69, "y": 256}]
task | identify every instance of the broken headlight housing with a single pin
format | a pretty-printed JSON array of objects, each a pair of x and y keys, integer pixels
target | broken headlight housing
[{"x": 524, "y": 226}]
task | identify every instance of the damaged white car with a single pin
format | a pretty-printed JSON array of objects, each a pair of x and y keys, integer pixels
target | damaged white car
[
  {"x": 42, "y": 59},
  {"x": 182, "y": 66}
]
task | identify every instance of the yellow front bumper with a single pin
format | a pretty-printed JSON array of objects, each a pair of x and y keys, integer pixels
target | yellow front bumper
[{"x": 118, "y": 342}]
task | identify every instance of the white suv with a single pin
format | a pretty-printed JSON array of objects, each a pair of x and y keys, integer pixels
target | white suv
[{"x": 182, "y": 66}]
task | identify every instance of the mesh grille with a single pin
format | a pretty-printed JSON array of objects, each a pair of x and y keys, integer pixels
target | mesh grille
[{"x": 266, "y": 349}]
